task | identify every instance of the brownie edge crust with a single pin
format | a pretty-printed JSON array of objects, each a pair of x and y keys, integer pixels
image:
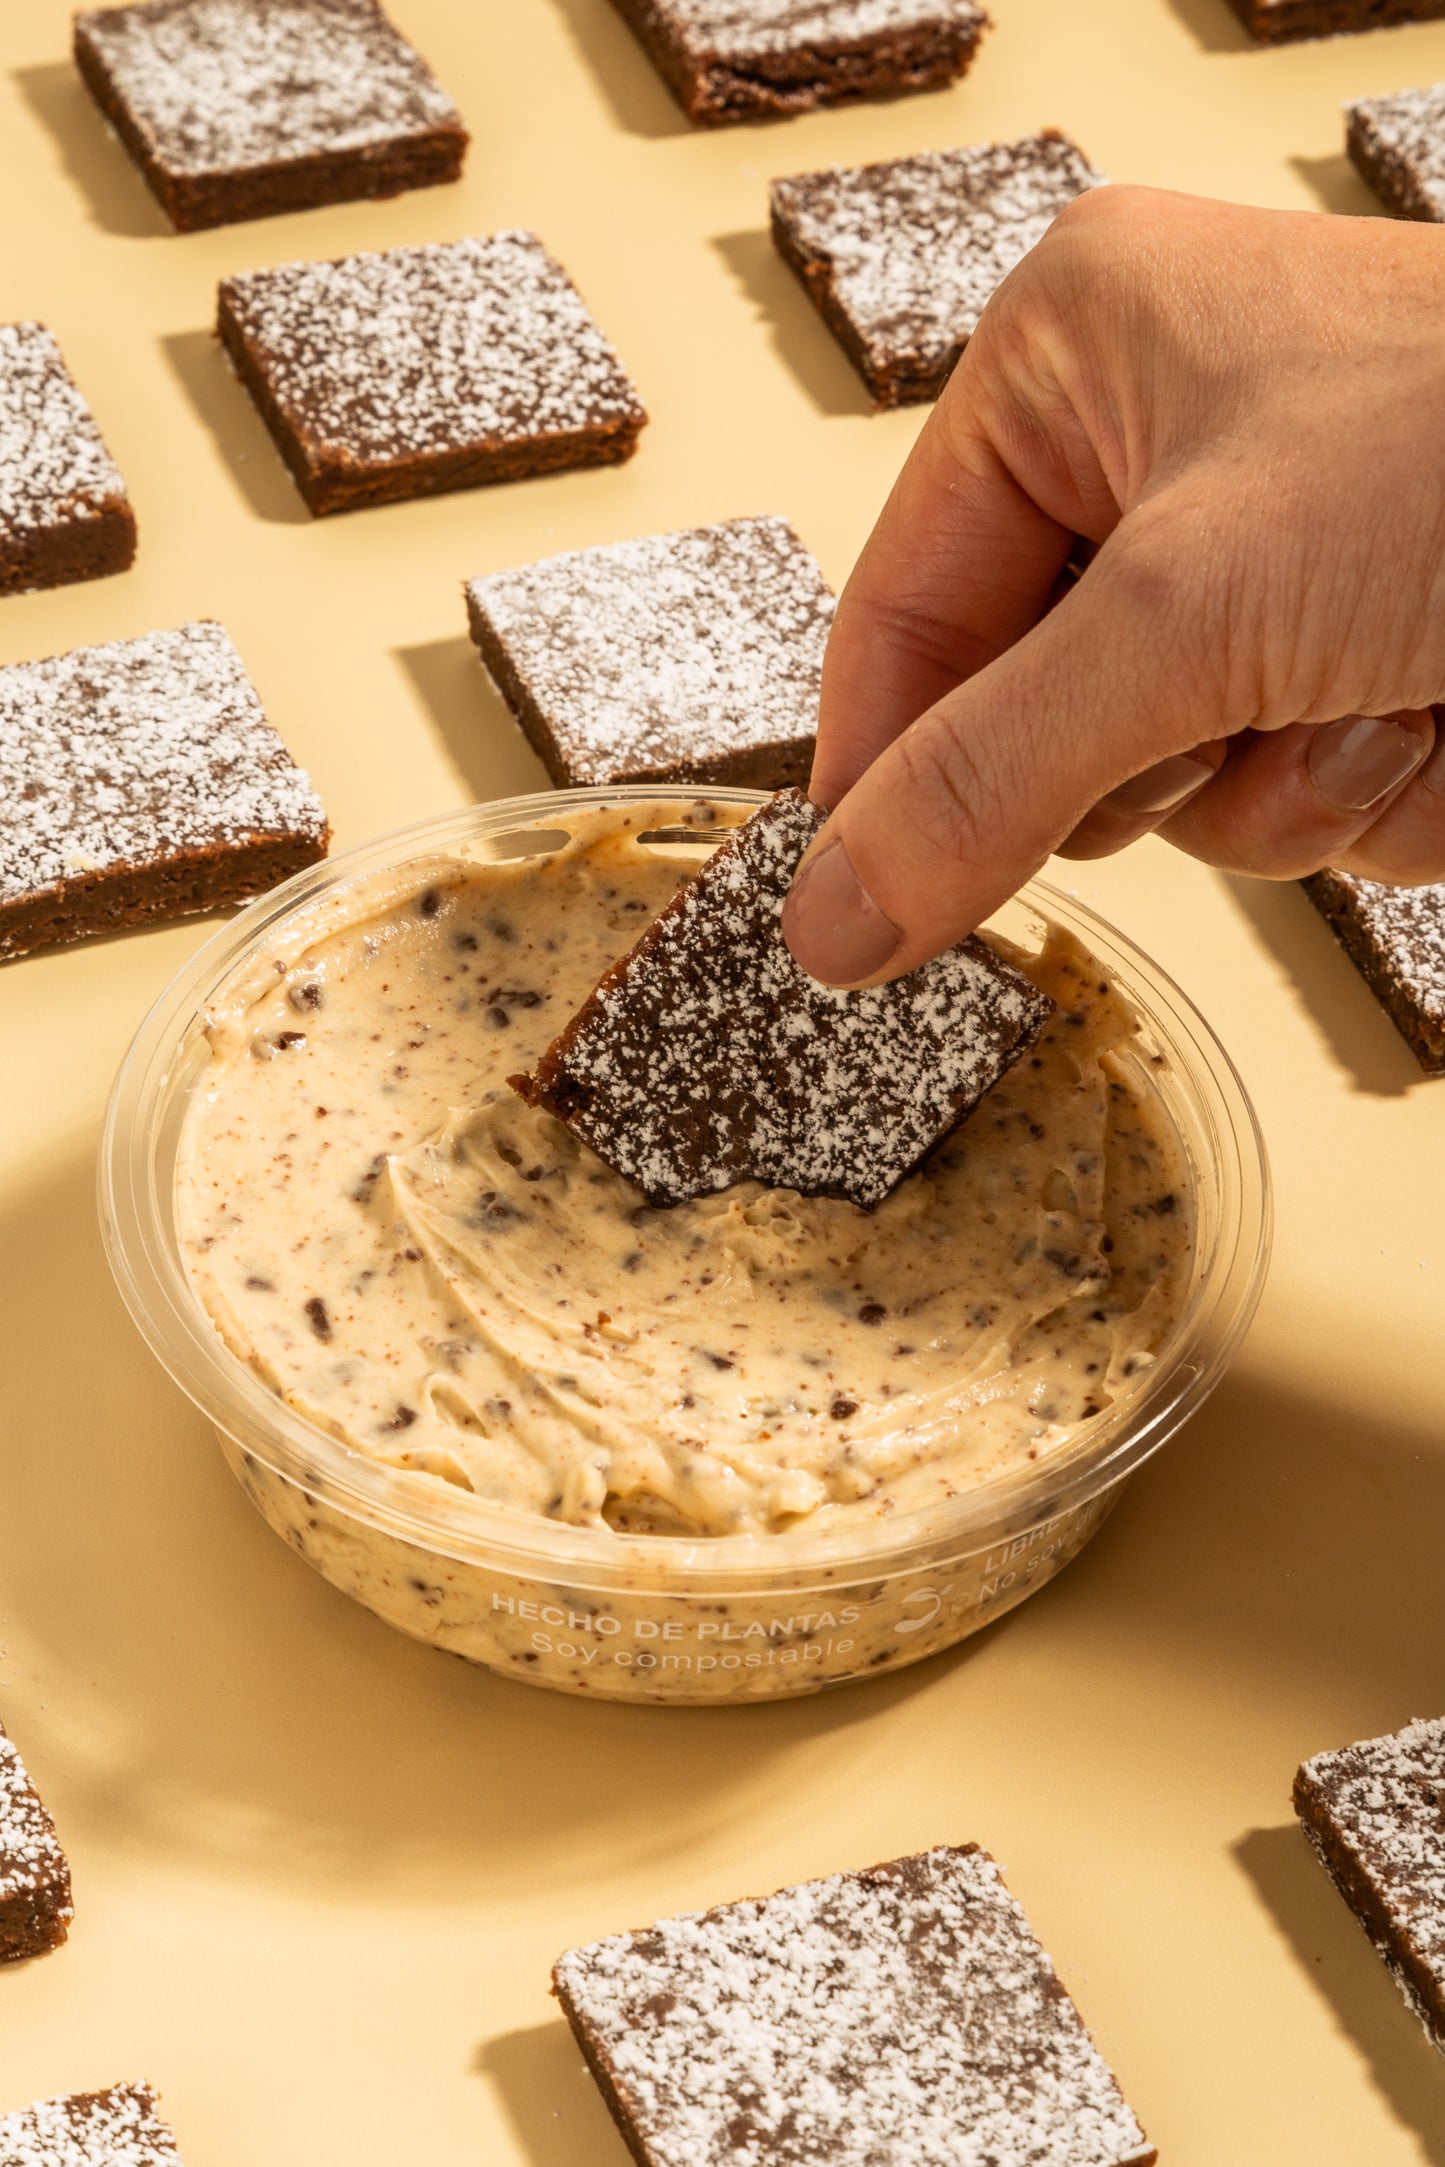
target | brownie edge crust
[{"x": 719, "y": 84}]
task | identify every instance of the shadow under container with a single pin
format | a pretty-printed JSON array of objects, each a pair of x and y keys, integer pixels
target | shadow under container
[{"x": 666, "y": 1619}]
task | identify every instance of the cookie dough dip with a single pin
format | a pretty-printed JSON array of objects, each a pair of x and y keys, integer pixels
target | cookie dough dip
[{"x": 745, "y": 1446}]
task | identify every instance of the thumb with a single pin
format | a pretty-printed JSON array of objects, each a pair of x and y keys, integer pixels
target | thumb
[{"x": 967, "y": 804}]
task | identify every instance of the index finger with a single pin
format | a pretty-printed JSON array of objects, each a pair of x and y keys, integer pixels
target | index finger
[{"x": 960, "y": 564}]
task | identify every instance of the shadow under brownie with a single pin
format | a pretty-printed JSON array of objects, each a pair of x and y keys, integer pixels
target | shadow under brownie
[
  {"x": 439, "y": 367},
  {"x": 689, "y": 657},
  {"x": 736, "y": 60},
  {"x": 141, "y": 780},
  {"x": 900, "y": 258},
  {"x": 233, "y": 111},
  {"x": 905, "y": 2012},
  {"x": 64, "y": 513}
]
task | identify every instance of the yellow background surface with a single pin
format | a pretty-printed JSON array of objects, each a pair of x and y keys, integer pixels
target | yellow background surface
[{"x": 321, "y": 1873}]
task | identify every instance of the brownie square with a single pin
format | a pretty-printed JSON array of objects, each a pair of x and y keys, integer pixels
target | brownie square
[
  {"x": 691, "y": 657},
  {"x": 1395, "y": 937},
  {"x": 707, "y": 1056},
  {"x": 731, "y": 60},
  {"x": 35, "y": 1906},
  {"x": 903, "y": 2013},
  {"x": 1397, "y": 144},
  {"x": 64, "y": 513},
  {"x": 234, "y": 109},
  {"x": 1281, "y": 22},
  {"x": 115, "y": 2128},
  {"x": 901, "y": 257},
  {"x": 1375, "y": 1814},
  {"x": 426, "y": 369},
  {"x": 141, "y": 780}
]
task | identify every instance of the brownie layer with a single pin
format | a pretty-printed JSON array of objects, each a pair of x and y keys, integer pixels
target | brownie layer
[
  {"x": 35, "y": 1905},
  {"x": 689, "y": 657},
  {"x": 1395, "y": 937},
  {"x": 902, "y": 257},
  {"x": 1397, "y": 144},
  {"x": 1375, "y": 1815},
  {"x": 232, "y": 113},
  {"x": 427, "y": 369},
  {"x": 1281, "y": 22},
  {"x": 779, "y": 71},
  {"x": 64, "y": 513}
]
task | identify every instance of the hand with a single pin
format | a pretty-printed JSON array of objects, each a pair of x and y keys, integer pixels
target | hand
[{"x": 1243, "y": 412}]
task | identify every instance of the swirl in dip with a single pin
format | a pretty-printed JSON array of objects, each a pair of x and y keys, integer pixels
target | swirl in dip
[{"x": 442, "y": 1278}]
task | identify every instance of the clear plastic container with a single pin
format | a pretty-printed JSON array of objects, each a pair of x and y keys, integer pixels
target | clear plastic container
[{"x": 662, "y": 1618}]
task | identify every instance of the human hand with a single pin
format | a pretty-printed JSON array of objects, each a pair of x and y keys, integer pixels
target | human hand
[{"x": 1244, "y": 411}]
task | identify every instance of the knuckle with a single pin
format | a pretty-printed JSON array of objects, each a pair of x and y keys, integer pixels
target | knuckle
[{"x": 957, "y": 810}]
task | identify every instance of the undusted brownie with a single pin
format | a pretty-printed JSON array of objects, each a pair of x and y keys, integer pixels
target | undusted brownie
[
  {"x": 116, "y": 2128},
  {"x": 141, "y": 780},
  {"x": 1395, "y": 937},
  {"x": 900, "y": 258},
  {"x": 691, "y": 657},
  {"x": 35, "y": 1906},
  {"x": 1375, "y": 1813},
  {"x": 1397, "y": 144},
  {"x": 707, "y": 1056},
  {"x": 64, "y": 513},
  {"x": 426, "y": 369},
  {"x": 1280, "y": 22},
  {"x": 239, "y": 109},
  {"x": 906, "y": 2013},
  {"x": 730, "y": 60}
]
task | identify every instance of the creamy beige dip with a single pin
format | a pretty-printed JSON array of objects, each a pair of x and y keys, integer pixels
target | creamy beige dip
[{"x": 443, "y": 1278}]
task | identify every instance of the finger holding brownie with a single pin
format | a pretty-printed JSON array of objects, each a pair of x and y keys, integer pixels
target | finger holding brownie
[{"x": 1241, "y": 415}]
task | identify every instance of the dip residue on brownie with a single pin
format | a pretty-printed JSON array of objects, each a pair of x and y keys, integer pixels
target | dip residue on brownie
[{"x": 440, "y": 1276}]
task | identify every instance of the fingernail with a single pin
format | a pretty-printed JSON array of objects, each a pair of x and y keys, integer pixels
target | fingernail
[
  {"x": 1355, "y": 761},
  {"x": 833, "y": 928},
  {"x": 1168, "y": 783}
]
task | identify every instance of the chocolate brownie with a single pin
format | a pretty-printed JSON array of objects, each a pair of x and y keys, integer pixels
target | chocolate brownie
[
  {"x": 1375, "y": 1814},
  {"x": 691, "y": 657},
  {"x": 64, "y": 513},
  {"x": 903, "y": 2013},
  {"x": 237, "y": 110},
  {"x": 35, "y": 1906},
  {"x": 730, "y": 60},
  {"x": 1398, "y": 145},
  {"x": 707, "y": 1057},
  {"x": 141, "y": 780},
  {"x": 1395, "y": 937},
  {"x": 1281, "y": 22},
  {"x": 425, "y": 369},
  {"x": 116, "y": 2128},
  {"x": 900, "y": 258}
]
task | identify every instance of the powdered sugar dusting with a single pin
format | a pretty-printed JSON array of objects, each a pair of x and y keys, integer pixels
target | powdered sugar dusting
[
  {"x": 748, "y": 29},
  {"x": 1384, "y": 1804},
  {"x": 670, "y": 652},
  {"x": 906, "y": 2013},
  {"x": 217, "y": 84},
  {"x": 431, "y": 349},
  {"x": 915, "y": 247},
  {"x": 707, "y": 1056},
  {"x": 1405, "y": 135},
  {"x": 115, "y": 2128},
  {"x": 132, "y": 752},
  {"x": 54, "y": 465},
  {"x": 31, "y": 1860}
]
